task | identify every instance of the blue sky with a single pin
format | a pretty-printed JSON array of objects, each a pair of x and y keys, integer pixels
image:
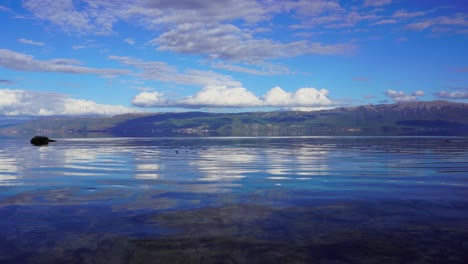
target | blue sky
[{"x": 73, "y": 57}]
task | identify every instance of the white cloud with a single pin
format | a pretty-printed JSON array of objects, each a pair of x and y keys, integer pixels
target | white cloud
[
  {"x": 236, "y": 68},
  {"x": 418, "y": 93},
  {"x": 161, "y": 71},
  {"x": 452, "y": 95},
  {"x": 419, "y": 26},
  {"x": 31, "y": 42},
  {"x": 278, "y": 97},
  {"x": 148, "y": 99},
  {"x": 99, "y": 17},
  {"x": 400, "y": 96},
  {"x": 262, "y": 69},
  {"x": 329, "y": 14},
  {"x": 377, "y": 2},
  {"x": 194, "y": 26},
  {"x": 455, "y": 23},
  {"x": 223, "y": 97},
  {"x": 74, "y": 16},
  {"x": 22, "y": 62},
  {"x": 23, "y": 102},
  {"x": 386, "y": 22},
  {"x": 403, "y": 14},
  {"x": 459, "y": 19},
  {"x": 4, "y": 9},
  {"x": 226, "y": 41},
  {"x": 155, "y": 13},
  {"x": 86, "y": 45},
  {"x": 78, "y": 47},
  {"x": 313, "y": 8},
  {"x": 304, "y": 97},
  {"x": 143, "y": 88},
  {"x": 129, "y": 41},
  {"x": 86, "y": 107}
]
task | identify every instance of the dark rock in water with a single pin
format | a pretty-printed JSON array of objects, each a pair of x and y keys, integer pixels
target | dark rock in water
[{"x": 40, "y": 141}]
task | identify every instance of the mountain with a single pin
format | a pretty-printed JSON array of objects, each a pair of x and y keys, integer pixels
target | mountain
[{"x": 406, "y": 118}]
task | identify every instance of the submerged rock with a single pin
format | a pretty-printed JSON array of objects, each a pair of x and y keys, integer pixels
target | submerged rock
[{"x": 41, "y": 140}]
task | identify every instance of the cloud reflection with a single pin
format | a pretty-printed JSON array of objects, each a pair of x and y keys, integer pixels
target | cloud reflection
[
  {"x": 10, "y": 170},
  {"x": 221, "y": 167},
  {"x": 148, "y": 171},
  {"x": 305, "y": 161},
  {"x": 225, "y": 164}
]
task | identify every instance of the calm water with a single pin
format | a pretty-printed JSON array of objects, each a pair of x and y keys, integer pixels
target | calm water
[{"x": 235, "y": 200}]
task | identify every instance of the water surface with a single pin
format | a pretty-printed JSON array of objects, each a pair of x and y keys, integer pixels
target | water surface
[{"x": 235, "y": 200}]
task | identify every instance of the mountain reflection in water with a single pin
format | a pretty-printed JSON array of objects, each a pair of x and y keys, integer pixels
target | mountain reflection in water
[{"x": 235, "y": 200}]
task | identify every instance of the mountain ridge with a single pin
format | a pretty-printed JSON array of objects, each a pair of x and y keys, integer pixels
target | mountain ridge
[{"x": 404, "y": 118}]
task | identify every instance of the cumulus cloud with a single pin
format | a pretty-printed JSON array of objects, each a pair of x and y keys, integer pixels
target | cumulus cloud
[
  {"x": 452, "y": 95},
  {"x": 400, "y": 96},
  {"x": 23, "y": 102},
  {"x": 149, "y": 99},
  {"x": 418, "y": 93},
  {"x": 31, "y": 42},
  {"x": 303, "y": 97},
  {"x": 223, "y": 97},
  {"x": 22, "y": 62}
]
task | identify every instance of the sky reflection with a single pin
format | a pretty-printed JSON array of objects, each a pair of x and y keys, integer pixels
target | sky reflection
[
  {"x": 224, "y": 163},
  {"x": 366, "y": 199}
]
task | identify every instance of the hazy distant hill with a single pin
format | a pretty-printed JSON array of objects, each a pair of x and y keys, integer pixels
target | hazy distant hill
[{"x": 410, "y": 118}]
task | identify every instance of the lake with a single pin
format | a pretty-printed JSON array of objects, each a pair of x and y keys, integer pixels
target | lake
[{"x": 235, "y": 200}]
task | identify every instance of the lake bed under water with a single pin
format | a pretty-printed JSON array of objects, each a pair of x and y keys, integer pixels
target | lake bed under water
[{"x": 235, "y": 200}]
